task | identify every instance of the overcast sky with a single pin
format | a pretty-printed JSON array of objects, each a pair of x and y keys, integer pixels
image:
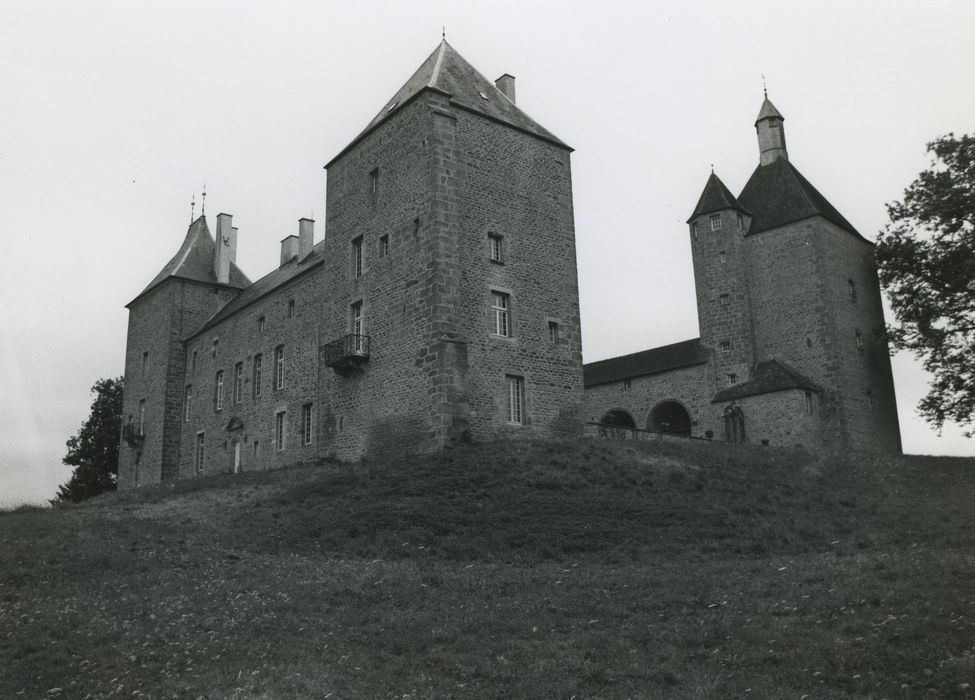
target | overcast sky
[{"x": 116, "y": 113}]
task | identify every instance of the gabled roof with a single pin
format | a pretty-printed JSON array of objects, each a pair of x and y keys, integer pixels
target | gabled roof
[
  {"x": 777, "y": 194},
  {"x": 268, "y": 283},
  {"x": 715, "y": 197},
  {"x": 767, "y": 377},
  {"x": 194, "y": 261},
  {"x": 768, "y": 110},
  {"x": 446, "y": 71},
  {"x": 663, "y": 359}
]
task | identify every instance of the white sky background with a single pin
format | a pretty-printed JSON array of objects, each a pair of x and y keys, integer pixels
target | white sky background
[{"x": 115, "y": 113}]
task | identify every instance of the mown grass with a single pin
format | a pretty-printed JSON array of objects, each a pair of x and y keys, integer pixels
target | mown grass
[{"x": 584, "y": 569}]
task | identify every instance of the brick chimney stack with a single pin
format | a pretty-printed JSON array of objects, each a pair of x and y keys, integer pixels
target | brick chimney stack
[
  {"x": 306, "y": 237},
  {"x": 506, "y": 84},
  {"x": 226, "y": 248}
]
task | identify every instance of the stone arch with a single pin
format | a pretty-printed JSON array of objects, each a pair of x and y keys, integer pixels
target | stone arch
[
  {"x": 670, "y": 416},
  {"x": 618, "y": 418},
  {"x": 734, "y": 423}
]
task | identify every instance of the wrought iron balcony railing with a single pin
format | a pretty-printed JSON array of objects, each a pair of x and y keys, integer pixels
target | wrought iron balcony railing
[
  {"x": 349, "y": 351},
  {"x": 134, "y": 434}
]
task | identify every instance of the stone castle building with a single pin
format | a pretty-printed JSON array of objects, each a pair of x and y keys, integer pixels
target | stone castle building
[{"x": 442, "y": 304}]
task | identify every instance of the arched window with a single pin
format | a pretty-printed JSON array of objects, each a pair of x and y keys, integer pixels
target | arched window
[
  {"x": 670, "y": 417},
  {"x": 618, "y": 418},
  {"x": 734, "y": 423}
]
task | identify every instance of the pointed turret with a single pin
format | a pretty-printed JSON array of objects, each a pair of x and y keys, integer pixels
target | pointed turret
[
  {"x": 771, "y": 134},
  {"x": 715, "y": 197}
]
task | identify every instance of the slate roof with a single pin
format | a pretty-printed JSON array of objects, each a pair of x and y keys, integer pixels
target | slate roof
[
  {"x": 777, "y": 194},
  {"x": 715, "y": 197},
  {"x": 767, "y": 377},
  {"x": 194, "y": 261},
  {"x": 446, "y": 71},
  {"x": 663, "y": 359},
  {"x": 768, "y": 110},
  {"x": 271, "y": 281}
]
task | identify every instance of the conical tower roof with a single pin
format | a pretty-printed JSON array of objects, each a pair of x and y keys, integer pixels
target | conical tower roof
[
  {"x": 768, "y": 110},
  {"x": 447, "y": 72},
  {"x": 715, "y": 197},
  {"x": 194, "y": 261}
]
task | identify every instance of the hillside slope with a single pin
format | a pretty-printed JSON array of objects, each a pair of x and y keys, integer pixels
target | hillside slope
[{"x": 532, "y": 570}]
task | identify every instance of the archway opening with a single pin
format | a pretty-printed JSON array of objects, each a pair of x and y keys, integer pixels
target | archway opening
[
  {"x": 670, "y": 417},
  {"x": 618, "y": 418}
]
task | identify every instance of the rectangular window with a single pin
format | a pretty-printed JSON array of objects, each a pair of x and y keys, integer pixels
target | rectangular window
[
  {"x": 218, "y": 392},
  {"x": 306, "y": 424},
  {"x": 495, "y": 247},
  {"x": 213, "y": 348},
  {"x": 725, "y": 299},
  {"x": 627, "y": 383},
  {"x": 261, "y": 324},
  {"x": 725, "y": 346},
  {"x": 852, "y": 288},
  {"x": 515, "y": 408},
  {"x": 291, "y": 308},
  {"x": 187, "y": 403},
  {"x": 722, "y": 257},
  {"x": 859, "y": 342},
  {"x": 416, "y": 227},
  {"x": 374, "y": 181},
  {"x": 501, "y": 308},
  {"x": 383, "y": 246},
  {"x": 715, "y": 222},
  {"x": 145, "y": 364},
  {"x": 732, "y": 378},
  {"x": 553, "y": 331},
  {"x": 258, "y": 374},
  {"x": 809, "y": 402},
  {"x": 279, "y": 430},
  {"x": 357, "y": 257},
  {"x": 695, "y": 231},
  {"x": 257, "y": 448},
  {"x": 198, "y": 454},
  {"x": 869, "y": 400},
  {"x": 142, "y": 417},
  {"x": 193, "y": 361},
  {"x": 238, "y": 382},
  {"x": 279, "y": 367}
]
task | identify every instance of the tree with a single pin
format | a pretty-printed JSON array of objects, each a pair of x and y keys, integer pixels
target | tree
[
  {"x": 93, "y": 452},
  {"x": 926, "y": 260}
]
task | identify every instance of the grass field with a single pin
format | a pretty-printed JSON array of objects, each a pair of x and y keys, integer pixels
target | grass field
[{"x": 583, "y": 569}]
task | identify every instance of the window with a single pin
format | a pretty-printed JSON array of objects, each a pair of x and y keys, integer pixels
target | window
[
  {"x": 416, "y": 227},
  {"x": 258, "y": 374},
  {"x": 852, "y": 288},
  {"x": 515, "y": 405},
  {"x": 495, "y": 248},
  {"x": 809, "y": 402},
  {"x": 553, "y": 331},
  {"x": 218, "y": 392},
  {"x": 869, "y": 400},
  {"x": 261, "y": 324},
  {"x": 279, "y": 430},
  {"x": 725, "y": 346},
  {"x": 213, "y": 348},
  {"x": 306, "y": 424},
  {"x": 145, "y": 364},
  {"x": 732, "y": 378},
  {"x": 238, "y": 382},
  {"x": 357, "y": 257},
  {"x": 198, "y": 454},
  {"x": 142, "y": 417},
  {"x": 722, "y": 256},
  {"x": 355, "y": 324},
  {"x": 725, "y": 299},
  {"x": 716, "y": 222},
  {"x": 627, "y": 383},
  {"x": 187, "y": 403},
  {"x": 374, "y": 181},
  {"x": 193, "y": 361},
  {"x": 741, "y": 222},
  {"x": 383, "y": 246},
  {"x": 257, "y": 448},
  {"x": 859, "y": 342},
  {"x": 501, "y": 307},
  {"x": 695, "y": 231},
  {"x": 291, "y": 308},
  {"x": 279, "y": 367}
]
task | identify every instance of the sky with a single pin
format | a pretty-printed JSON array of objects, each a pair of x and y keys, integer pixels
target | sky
[{"x": 117, "y": 113}]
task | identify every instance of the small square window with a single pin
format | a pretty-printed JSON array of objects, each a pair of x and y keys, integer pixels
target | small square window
[
  {"x": 725, "y": 346},
  {"x": 383, "y": 246},
  {"x": 722, "y": 256},
  {"x": 725, "y": 299},
  {"x": 553, "y": 331},
  {"x": 732, "y": 378},
  {"x": 715, "y": 222},
  {"x": 495, "y": 248}
]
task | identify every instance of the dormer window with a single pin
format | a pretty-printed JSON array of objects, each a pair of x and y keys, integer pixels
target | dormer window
[{"x": 715, "y": 222}]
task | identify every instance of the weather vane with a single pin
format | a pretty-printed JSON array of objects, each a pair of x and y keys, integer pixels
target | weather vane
[
  {"x": 764, "y": 87},
  {"x": 192, "y": 206},
  {"x": 443, "y": 32},
  {"x": 203, "y": 207}
]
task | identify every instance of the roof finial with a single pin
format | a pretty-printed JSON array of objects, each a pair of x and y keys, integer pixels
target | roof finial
[
  {"x": 712, "y": 168},
  {"x": 203, "y": 208},
  {"x": 443, "y": 32},
  {"x": 192, "y": 206},
  {"x": 764, "y": 86}
]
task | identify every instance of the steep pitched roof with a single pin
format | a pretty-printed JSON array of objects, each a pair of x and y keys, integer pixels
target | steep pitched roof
[
  {"x": 768, "y": 110},
  {"x": 446, "y": 71},
  {"x": 268, "y": 283},
  {"x": 194, "y": 261},
  {"x": 767, "y": 377},
  {"x": 715, "y": 197},
  {"x": 663, "y": 359},
  {"x": 777, "y": 194}
]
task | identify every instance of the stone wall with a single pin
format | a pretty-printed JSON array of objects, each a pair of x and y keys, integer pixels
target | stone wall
[{"x": 782, "y": 418}]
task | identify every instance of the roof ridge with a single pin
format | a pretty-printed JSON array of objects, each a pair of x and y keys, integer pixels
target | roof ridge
[{"x": 435, "y": 74}]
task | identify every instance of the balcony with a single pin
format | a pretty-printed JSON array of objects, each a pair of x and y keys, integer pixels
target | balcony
[
  {"x": 133, "y": 434},
  {"x": 350, "y": 352}
]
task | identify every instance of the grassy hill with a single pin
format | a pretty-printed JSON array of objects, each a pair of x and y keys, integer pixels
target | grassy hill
[{"x": 586, "y": 569}]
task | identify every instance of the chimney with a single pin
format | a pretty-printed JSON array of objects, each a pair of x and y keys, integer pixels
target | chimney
[
  {"x": 226, "y": 248},
  {"x": 506, "y": 84},
  {"x": 289, "y": 249},
  {"x": 306, "y": 237}
]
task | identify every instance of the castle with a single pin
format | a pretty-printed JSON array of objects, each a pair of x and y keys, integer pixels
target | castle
[{"x": 442, "y": 305}]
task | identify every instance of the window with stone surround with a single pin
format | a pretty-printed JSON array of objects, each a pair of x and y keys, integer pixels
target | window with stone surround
[
  {"x": 198, "y": 453},
  {"x": 356, "y": 325},
  {"x": 218, "y": 391},
  {"x": 214, "y": 347},
  {"x": 501, "y": 313},
  {"x": 725, "y": 346},
  {"x": 722, "y": 256},
  {"x": 187, "y": 403},
  {"x": 715, "y": 222},
  {"x": 306, "y": 424},
  {"x": 279, "y": 367},
  {"x": 725, "y": 299},
  {"x": 384, "y": 246},
  {"x": 553, "y": 331},
  {"x": 261, "y": 324},
  {"x": 145, "y": 364},
  {"x": 291, "y": 308},
  {"x": 374, "y": 182},
  {"x": 238, "y": 382},
  {"x": 279, "y": 427},
  {"x": 515, "y": 404},
  {"x": 357, "y": 257},
  {"x": 495, "y": 248},
  {"x": 258, "y": 378},
  {"x": 732, "y": 378}
]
